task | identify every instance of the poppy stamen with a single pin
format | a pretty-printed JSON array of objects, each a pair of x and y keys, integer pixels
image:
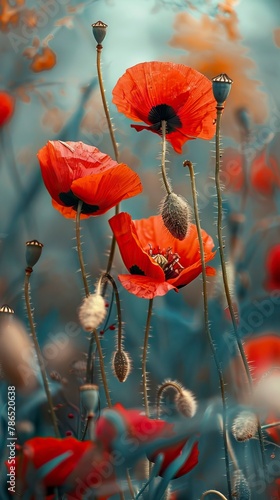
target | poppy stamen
[{"x": 167, "y": 260}]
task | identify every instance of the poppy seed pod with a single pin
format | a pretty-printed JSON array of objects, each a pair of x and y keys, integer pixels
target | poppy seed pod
[
  {"x": 5, "y": 309},
  {"x": 175, "y": 212},
  {"x": 221, "y": 86},
  {"x": 99, "y": 31},
  {"x": 33, "y": 252},
  {"x": 89, "y": 397}
]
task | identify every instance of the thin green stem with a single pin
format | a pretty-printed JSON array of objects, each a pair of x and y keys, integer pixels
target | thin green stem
[
  {"x": 38, "y": 351},
  {"x": 115, "y": 147},
  {"x": 94, "y": 334},
  {"x": 214, "y": 492},
  {"x": 224, "y": 273},
  {"x": 268, "y": 426},
  {"x": 163, "y": 158},
  {"x": 207, "y": 327},
  {"x": 144, "y": 358},
  {"x": 79, "y": 247},
  {"x": 161, "y": 389}
]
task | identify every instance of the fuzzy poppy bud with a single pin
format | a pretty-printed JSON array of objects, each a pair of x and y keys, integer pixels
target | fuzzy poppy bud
[
  {"x": 5, "y": 309},
  {"x": 99, "y": 31},
  {"x": 121, "y": 365},
  {"x": 241, "y": 490},
  {"x": 175, "y": 212},
  {"x": 221, "y": 86},
  {"x": 92, "y": 312},
  {"x": 186, "y": 403},
  {"x": 33, "y": 252},
  {"x": 245, "y": 426},
  {"x": 89, "y": 397}
]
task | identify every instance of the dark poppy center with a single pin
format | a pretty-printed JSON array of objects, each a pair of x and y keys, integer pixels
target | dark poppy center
[
  {"x": 167, "y": 113},
  {"x": 69, "y": 199},
  {"x": 167, "y": 260},
  {"x": 136, "y": 270}
]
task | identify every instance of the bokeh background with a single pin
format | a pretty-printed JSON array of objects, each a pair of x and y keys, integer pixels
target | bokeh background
[{"x": 48, "y": 66}]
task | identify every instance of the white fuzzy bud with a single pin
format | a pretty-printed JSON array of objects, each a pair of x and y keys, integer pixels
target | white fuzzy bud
[
  {"x": 92, "y": 312},
  {"x": 186, "y": 403},
  {"x": 245, "y": 426}
]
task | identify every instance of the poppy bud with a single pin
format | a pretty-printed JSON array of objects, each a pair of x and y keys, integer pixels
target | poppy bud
[
  {"x": 186, "y": 403},
  {"x": 121, "y": 365},
  {"x": 89, "y": 397},
  {"x": 221, "y": 86},
  {"x": 33, "y": 252},
  {"x": 245, "y": 426},
  {"x": 92, "y": 312},
  {"x": 99, "y": 31},
  {"x": 241, "y": 490},
  {"x": 5, "y": 309},
  {"x": 175, "y": 212}
]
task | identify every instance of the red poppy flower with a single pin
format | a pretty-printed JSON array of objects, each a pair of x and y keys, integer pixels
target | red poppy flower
[
  {"x": 74, "y": 171},
  {"x": 71, "y": 466},
  {"x": 6, "y": 107},
  {"x": 232, "y": 175},
  {"x": 273, "y": 268},
  {"x": 141, "y": 429},
  {"x": 264, "y": 178},
  {"x": 151, "y": 92},
  {"x": 157, "y": 261},
  {"x": 172, "y": 452},
  {"x": 263, "y": 353}
]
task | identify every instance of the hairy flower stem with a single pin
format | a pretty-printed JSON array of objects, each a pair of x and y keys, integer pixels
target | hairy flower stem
[
  {"x": 115, "y": 147},
  {"x": 94, "y": 334},
  {"x": 214, "y": 492},
  {"x": 40, "y": 358},
  {"x": 105, "y": 277},
  {"x": 225, "y": 278},
  {"x": 207, "y": 327},
  {"x": 163, "y": 158},
  {"x": 162, "y": 388},
  {"x": 144, "y": 358}
]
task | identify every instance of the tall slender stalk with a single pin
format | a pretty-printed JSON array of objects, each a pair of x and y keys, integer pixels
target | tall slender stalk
[
  {"x": 224, "y": 273},
  {"x": 207, "y": 327},
  {"x": 94, "y": 334},
  {"x": 163, "y": 158},
  {"x": 40, "y": 358},
  {"x": 144, "y": 358}
]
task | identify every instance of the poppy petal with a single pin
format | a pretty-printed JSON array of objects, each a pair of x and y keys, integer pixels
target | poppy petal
[
  {"x": 136, "y": 260},
  {"x": 144, "y": 286}
]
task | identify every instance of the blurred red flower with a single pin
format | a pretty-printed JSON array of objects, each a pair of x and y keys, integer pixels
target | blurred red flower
[
  {"x": 67, "y": 463},
  {"x": 157, "y": 261},
  {"x": 263, "y": 353},
  {"x": 7, "y": 105},
  {"x": 74, "y": 171},
  {"x": 273, "y": 268},
  {"x": 155, "y": 91},
  {"x": 141, "y": 429}
]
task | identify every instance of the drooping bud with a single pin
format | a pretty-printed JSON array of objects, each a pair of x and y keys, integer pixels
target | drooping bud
[
  {"x": 186, "y": 403},
  {"x": 175, "y": 212},
  {"x": 89, "y": 397},
  {"x": 121, "y": 365},
  {"x": 245, "y": 426},
  {"x": 33, "y": 252},
  {"x": 92, "y": 312},
  {"x": 241, "y": 490},
  {"x": 99, "y": 31},
  {"x": 221, "y": 86}
]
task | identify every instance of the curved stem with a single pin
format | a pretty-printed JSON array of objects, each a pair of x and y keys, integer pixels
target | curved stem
[
  {"x": 144, "y": 358},
  {"x": 224, "y": 273},
  {"x": 162, "y": 388},
  {"x": 104, "y": 278},
  {"x": 38, "y": 352},
  {"x": 215, "y": 492},
  {"x": 207, "y": 327},
  {"x": 163, "y": 158}
]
